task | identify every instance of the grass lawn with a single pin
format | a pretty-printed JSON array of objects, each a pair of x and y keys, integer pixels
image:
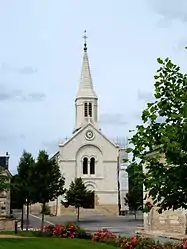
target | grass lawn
[{"x": 50, "y": 243}]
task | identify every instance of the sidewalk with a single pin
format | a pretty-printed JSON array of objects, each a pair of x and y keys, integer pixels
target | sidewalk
[{"x": 13, "y": 236}]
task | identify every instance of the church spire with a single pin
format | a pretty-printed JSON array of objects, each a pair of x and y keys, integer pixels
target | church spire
[
  {"x": 86, "y": 86},
  {"x": 86, "y": 102}
]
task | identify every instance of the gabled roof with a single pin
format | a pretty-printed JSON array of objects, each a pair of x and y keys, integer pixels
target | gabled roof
[
  {"x": 83, "y": 128},
  {"x": 56, "y": 154}
]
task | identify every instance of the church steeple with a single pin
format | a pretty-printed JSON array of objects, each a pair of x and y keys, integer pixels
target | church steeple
[
  {"x": 86, "y": 98},
  {"x": 85, "y": 85}
]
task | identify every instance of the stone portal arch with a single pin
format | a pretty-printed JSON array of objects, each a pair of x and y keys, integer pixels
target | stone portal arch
[{"x": 91, "y": 186}]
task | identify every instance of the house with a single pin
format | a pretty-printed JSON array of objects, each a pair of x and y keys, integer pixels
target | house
[{"x": 5, "y": 195}]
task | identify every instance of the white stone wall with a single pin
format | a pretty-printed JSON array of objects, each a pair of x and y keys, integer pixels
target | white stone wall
[{"x": 104, "y": 182}]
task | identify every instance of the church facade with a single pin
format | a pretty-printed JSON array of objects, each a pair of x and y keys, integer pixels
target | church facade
[{"x": 89, "y": 154}]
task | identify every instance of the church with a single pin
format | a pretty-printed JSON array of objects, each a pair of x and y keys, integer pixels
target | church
[{"x": 89, "y": 154}]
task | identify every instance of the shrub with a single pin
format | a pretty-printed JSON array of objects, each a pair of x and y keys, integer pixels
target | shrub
[
  {"x": 104, "y": 236},
  {"x": 68, "y": 230},
  {"x": 136, "y": 242}
]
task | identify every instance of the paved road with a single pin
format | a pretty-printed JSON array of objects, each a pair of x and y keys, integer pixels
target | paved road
[
  {"x": 34, "y": 221},
  {"x": 122, "y": 225}
]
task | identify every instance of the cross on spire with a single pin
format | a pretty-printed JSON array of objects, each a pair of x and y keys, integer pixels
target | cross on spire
[{"x": 85, "y": 43}]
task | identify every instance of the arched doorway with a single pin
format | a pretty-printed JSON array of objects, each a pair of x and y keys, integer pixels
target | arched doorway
[{"x": 90, "y": 204}]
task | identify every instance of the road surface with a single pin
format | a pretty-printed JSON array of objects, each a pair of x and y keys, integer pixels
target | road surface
[{"x": 121, "y": 225}]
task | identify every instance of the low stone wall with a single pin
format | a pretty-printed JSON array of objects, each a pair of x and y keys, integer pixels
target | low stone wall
[
  {"x": 70, "y": 211},
  {"x": 167, "y": 222},
  {"x": 7, "y": 224}
]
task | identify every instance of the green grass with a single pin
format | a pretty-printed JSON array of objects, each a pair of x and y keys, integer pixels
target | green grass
[{"x": 50, "y": 243}]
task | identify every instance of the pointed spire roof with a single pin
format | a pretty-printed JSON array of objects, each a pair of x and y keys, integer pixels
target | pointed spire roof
[{"x": 86, "y": 89}]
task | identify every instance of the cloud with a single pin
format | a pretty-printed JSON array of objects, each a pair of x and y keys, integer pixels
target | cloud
[
  {"x": 145, "y": 96},
  {"x": 170, "y": 9},
  {"x": 27, "y": 70},
  {"x": 7, "y": 136},
  {"x": 52, "y": 146},
  {"x": 113, "y": 119},
  {"x": 23, "y": 70},
  {"x": 7, "y": 94},
  {"x": 137, "y": 114},
  {"x": 34, "y": 97}
]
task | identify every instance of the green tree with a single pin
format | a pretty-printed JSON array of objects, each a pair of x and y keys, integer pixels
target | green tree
[
  {"x": 164, "y": 132},
  {"x": 134, "y": 198},
  {"x": 136, "y": 176},
  {"x": 78, "y": 196},
  {"x": 17, "y": 198},
  {"x": 24, "y": 181},
  {"x": 48, "y": 181}
]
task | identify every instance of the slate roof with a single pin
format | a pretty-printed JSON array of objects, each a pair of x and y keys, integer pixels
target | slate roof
[{"x": 4, "y": 162}]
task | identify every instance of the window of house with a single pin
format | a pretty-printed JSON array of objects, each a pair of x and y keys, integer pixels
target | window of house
[
  {"x": 85, "y": 109},
  {"x": 90, "y": 109},
  {"x": 85, "y": 166},
  {"x": 92, "y": 166}
]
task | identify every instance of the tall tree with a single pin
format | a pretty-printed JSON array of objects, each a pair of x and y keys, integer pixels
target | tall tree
[
  {"x": 134, "y": 198},
  {"x": 48, "y": 182},
  {"x": 25, "y": 176},
  {"x": 78, "y": 196},
  {"x": 164, "y": 132},
  {"x": 17, "y": 196}
]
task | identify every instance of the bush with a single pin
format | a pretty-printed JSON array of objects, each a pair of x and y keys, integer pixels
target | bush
[
  {"x": 136, "y": 242},
  {"x": 68, "y": 230},
  {"x": 104, "y": 236}
]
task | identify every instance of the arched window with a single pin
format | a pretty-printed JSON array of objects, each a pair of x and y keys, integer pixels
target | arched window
[
  {"x": 85, "y": 166},
  {"x": 90, "y": 109},
  {"x": 92, "y": 166},
  {"x": 85, "y": 109}
]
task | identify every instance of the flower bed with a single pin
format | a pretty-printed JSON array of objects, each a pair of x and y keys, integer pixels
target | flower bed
[
  {"x": 70, "y": 230},
  {"x": 136, "y": 242}
]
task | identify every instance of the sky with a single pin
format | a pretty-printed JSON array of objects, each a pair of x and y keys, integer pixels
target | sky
[{"x": 41, "y": 49}]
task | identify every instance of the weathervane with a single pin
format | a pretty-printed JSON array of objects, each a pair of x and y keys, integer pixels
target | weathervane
[{"x": 85, "y": 43}]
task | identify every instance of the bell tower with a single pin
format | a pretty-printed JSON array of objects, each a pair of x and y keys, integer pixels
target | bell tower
[{"x": 86, "y": 102}]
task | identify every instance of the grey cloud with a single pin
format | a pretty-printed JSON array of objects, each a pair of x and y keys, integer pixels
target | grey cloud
[
  {"x": 18, "y": 95},
  {"x": 170, "y": 9},
  {"x": 180, "y": 45},
  {"x": 22, "y": 70},
  {"x": 137, "y": 115},
  {"x": 145, "y": 96},
  {"x": 113, "y": 119},
  {"x": 51, "y": 146},
  {"x": 7, "y": 136},
  {"x": 35, "y": 97},
  {"x": 27, "y": 70}
]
